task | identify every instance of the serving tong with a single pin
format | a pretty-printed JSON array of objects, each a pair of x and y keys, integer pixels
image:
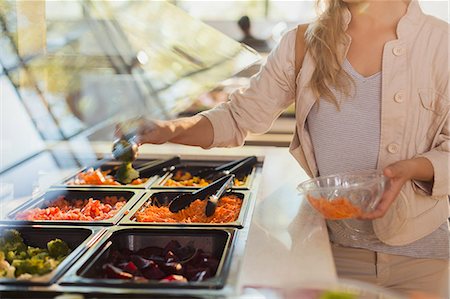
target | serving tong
[
  {"x": 212, "y": 192},
  {"x": 154, "y": 166},
  {"x": 212, "y": 174}
]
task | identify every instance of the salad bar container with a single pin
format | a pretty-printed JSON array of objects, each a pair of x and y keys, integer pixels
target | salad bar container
[
  {"x": 184, "y": 175},
  {"x": 67, "y": 206},
  {"x": 160, "y": 199},
  {"x": 116, "y": 249},
  {"x": 108, "y": 169},
  {"x": 153, "y": 244},
  {"x": 78, "y": 239}
]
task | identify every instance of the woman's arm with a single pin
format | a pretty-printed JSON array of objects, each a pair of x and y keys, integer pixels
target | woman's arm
[
  {"x": 251, "y": 110},
  {"x": 196, "y": 131}
]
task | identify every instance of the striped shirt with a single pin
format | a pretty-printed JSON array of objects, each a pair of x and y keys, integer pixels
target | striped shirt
[{"x": 349, "y": 140}]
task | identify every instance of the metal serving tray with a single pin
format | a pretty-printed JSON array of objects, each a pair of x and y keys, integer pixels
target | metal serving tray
[
  {"x": 113, "y": 165},
  {"x": 218, "y": 242},
  {"x": 79, "y": 239},
  {"x": 42, "y": 201},
  {"x": 164, "y": 197},
  {"x": 188, "y": 165}
]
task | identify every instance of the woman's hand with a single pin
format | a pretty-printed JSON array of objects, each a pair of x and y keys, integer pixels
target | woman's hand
[
  {"x": 196, "y": 130},
  {"x": 146, "y": 130},
  {"x": 398, "y": 174}
]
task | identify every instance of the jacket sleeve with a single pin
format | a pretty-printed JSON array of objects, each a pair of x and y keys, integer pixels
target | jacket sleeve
[
  {"x": 439, "y": 155},
  {"x": 255, "y": 108}
]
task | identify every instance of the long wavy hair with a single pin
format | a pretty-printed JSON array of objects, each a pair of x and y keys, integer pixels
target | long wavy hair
[{"x": 323, "y": 39}]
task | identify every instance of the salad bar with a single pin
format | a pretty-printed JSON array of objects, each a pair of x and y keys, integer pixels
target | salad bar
[{"x": 102, "y": 233}]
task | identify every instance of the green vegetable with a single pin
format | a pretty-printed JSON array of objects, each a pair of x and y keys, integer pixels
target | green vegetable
[
  {"x": 126, "y": 173},
  {"x": 16, "y": 258},
  {"x": 33, "y": 266},
  {"x": 57, "y": 248},
  {"x": 337, "y": 295},
  {"x": 11, "y": 240}
]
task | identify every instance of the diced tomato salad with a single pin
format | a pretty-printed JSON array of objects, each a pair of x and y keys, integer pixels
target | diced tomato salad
[{"x": 80, "y": 209}]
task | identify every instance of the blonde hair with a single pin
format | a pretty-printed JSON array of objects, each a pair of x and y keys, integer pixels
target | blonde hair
[{"x": 323, "y": 39}]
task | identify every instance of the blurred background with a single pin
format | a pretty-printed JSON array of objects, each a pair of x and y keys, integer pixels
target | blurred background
[{"x": 70, "y": 70}]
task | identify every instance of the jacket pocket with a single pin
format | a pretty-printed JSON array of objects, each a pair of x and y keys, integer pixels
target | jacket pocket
[
  {"x": 433, "y": 108},
  {"x": 433, "y": 101}
]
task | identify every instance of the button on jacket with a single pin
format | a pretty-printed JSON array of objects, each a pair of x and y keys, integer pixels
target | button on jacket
[{"x": 415, "y": 116}]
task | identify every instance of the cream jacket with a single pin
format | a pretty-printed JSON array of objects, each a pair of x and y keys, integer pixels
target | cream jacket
[{"x": 415, "y": 116}]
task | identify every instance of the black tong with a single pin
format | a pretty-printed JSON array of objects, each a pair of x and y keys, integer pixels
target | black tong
[
  {"x": 213, "y": 192},
  {"x": 157, "y": 165},
  {"x": 233, "y": 167},
  {"x": 150, "y": 168}
]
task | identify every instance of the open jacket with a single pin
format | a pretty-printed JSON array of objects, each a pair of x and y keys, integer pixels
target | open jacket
[{"x": 415, "y": 116}]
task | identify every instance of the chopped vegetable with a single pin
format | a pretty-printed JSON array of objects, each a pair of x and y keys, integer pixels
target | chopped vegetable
[
  {"x": 337, "y": 295},
  {"x": 57, "y": 248},
  {"x": 97, "y": 177},
  {"x": 183, "y": 178},
  {"x": 171, "y": 263},
  {"x": 81, "y": 210},
  {"x": 338, "y": 208},
  {"x": 227, "y": 210},
  {"x": 24, "y": 262},
  {"x": 126, "y": 173}
]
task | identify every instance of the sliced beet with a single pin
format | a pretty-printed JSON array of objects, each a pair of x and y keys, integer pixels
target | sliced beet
[
  {"x": 170, "y": 256},
  {"x": 140, "y": 262},
  {"x": 185, "y": 252},
  {"x": 153, "y": 272},
  {"x": 170, "y": 278},
  {"x": 115, "y": 273},
  {"x": 172, "y": 246},
  {"x": 130, "y": 267},
  {"x": 172, "y": 268}
]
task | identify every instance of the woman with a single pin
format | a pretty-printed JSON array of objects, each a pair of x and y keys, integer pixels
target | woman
[{"x": 372, "y": 92}]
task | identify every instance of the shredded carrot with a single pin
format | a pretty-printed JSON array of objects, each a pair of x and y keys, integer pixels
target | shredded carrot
[
  {"x": 338, "y": 208},
  {"x": 98, "y": 177},
  {"x": 227, "y": 210},
  {"x": 79, "y": 209}
]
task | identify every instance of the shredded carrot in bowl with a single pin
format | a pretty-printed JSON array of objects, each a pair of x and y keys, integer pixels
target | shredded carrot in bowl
[
  {"x": 335, "y": 209},
  {"x": 227, "y": 210}
]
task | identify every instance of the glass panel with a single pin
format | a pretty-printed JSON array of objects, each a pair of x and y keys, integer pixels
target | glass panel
[
  {"x": 110, "y": 60},
  {"x": 225, "y": 9},
  {"x": 15, "y": 146},
  {"x": 295, "y": 11},
  {"x": 176, "y": 57}
]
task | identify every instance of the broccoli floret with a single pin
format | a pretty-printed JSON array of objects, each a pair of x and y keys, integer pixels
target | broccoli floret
[
  {"x": 58, "y": 248},
  {"x": 126, "y": 173},
  {"x": 32, "y": 251},
  {"x": 11, "y": 240},
  {"x": 32, "y": 266}
]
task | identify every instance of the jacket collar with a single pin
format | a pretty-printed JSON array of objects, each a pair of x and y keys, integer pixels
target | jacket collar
[{"x": 413, "y": 16}]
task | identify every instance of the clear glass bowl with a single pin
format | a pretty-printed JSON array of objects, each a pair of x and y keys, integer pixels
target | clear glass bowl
[{"x": 346, "y": 195}]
